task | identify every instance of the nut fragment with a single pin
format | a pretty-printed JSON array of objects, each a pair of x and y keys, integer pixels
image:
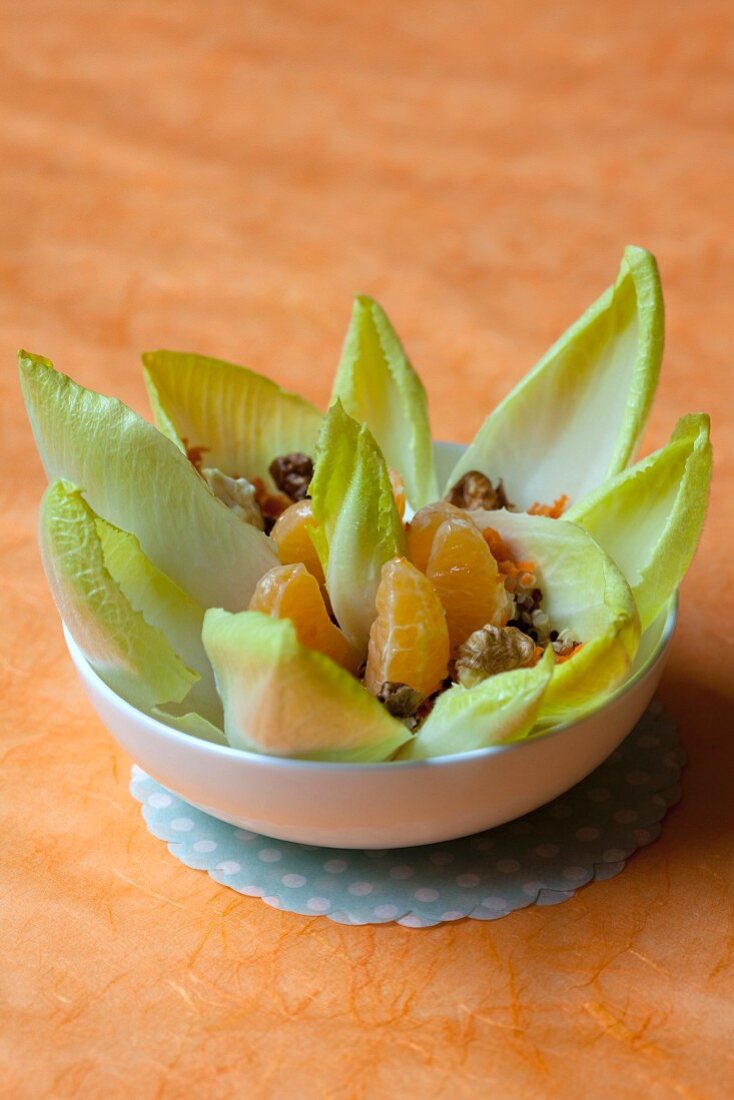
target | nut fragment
[
  {"x": 564, "y": 643},
  {"x": 292, "y": 474},
  {"x": 474, "y": 490},
  {"x": 195, "y": 454},
  {"x": 400, "y": 700},
  {"x": 490, "y": 650},
  {"x": 237, "y": 493}
]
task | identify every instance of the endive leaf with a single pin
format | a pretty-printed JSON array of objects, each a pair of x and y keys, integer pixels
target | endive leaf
[
  {"x": 166, "y": 607},
  {"x": 357, "y": 527},
  {"x": 502, "y": 708},
  {"x": 284, "y": 699},
  {"x": 584, "y": 592},
  {"x": 242, "y": 419},
  {"x": 191, "y": 723},
  {"x": 137, "y": 479},
  {"x": 649, "y": 518},
  {"x": 577, "y": 417},
  {"x": 377, "y": 385},
  {"x": 132, "y": 656}
]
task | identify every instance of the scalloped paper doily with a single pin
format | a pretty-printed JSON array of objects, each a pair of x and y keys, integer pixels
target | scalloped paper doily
[{"x": 585, "y": 835}]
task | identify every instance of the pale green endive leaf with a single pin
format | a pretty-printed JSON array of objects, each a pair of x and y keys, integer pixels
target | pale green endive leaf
[
  {"x": 649, "y": 518},
  {"x": 166, "y": 607},
  {"x": 284, "y": 699},
  {"x": 138, "y": 480},
  {"x": 377, "y": 386},
  {"x": 357, "y": 524},
  {"x": 502, "y": 708},
  {"x": 131, "y": 655},
  {"x": 242, "y": 419},
  {"x": 191, "y": 723},
  {"x": 577, "y": 417}
]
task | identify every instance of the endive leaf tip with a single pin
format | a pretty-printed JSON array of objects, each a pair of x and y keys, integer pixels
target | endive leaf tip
[
  {"x": 29, "y": 359},
  {"x": 649, "y": 518}
]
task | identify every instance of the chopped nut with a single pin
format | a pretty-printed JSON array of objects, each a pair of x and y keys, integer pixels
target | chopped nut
[
  {"x": 400, "y": 700},
  {"x": 271, "y": 504},
  {"x": 195, "y": 455},
  {"x": 237, "y": 493},
  {"x": 474, "y": 490},
  {"x": 292, "y": 474},
  {"x": 564, "y": 643},
  {"x": 490, "y": 650}
]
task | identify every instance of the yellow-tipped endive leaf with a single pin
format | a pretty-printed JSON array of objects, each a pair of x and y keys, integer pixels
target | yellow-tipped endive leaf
[
  {"x": 577, "y": 417},
  {"x": 584, "y": 592},
  {"x": 502, "y": 708},
  {"x": 137, "y": 479},
  {"x": 242, "y": 419},
  {"x": 357, "y": 527},
  {"x": 284, "y": 699},
  {"x": 377, "y": 385},
  {"x": 649, "y": 518},
  {"x": 136, "y": 628}
]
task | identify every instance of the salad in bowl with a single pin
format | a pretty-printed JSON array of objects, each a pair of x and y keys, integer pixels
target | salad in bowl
[{"x": 258, "y": 574}]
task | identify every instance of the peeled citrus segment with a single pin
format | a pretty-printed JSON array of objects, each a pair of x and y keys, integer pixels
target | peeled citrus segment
[
  {"x": 409, "y": 641},
  {"x": 291, "y": 592},
  {"x": 423, "y": 527},
  {"x": 467, "y": 580},
  {"x": 291, "y": 537}
]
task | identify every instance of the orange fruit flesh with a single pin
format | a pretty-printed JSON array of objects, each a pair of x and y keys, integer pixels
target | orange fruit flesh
[
  {"x": 422, "y": 530},
  {"x": 467, "y": 580},
  {"x": 291, "y": 592},
  {"x": 290, "y": 535},
  {"x": 409, "y": 641}
]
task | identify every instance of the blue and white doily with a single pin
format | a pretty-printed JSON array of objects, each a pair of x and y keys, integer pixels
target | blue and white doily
[{"x": 541, "y": 859}]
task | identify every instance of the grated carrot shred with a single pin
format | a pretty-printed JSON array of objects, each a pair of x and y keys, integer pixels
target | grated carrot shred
[
  {"x": 553, "y": 511},
  {"x": 515, "y": 568},
  {"x": 496, "y": 545}
]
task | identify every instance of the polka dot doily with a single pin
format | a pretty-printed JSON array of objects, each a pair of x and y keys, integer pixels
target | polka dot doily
[{"x": 541, "y": 859}]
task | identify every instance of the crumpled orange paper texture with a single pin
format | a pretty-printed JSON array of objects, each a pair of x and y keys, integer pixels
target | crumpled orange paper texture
[{"x": 221, "y": 178}]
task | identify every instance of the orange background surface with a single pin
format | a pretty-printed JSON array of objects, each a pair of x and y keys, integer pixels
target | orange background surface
[{"x": 222, "y": 177}]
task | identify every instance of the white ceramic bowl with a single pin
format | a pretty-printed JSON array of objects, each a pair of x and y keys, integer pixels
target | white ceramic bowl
[{"x": 383, "y": 805}]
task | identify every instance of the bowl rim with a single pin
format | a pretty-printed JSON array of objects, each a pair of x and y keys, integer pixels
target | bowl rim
[{"x": 179, "y": 738}]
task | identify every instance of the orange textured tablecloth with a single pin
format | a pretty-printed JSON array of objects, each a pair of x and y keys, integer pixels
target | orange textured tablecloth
[{"x": 222, "y": 177}]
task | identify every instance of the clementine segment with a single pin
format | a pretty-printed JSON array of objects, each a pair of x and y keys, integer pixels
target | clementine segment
[
  {"x": 422, "y": 530},
  {"x": 290, "y": 535},
  {"x": 291, "y": 592},
  {"x": 467, "y": 580},
  {"x": 409, "y": 640}
]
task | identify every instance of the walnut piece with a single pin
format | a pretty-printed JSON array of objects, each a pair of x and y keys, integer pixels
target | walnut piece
[
  {"x": 474, "y": 490},
  {"x": 237, "y": 493},
  {"x": 490, "y": 650},
  {"x": 400, "y": 700},
  {"x": 292, "y": 474}
]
